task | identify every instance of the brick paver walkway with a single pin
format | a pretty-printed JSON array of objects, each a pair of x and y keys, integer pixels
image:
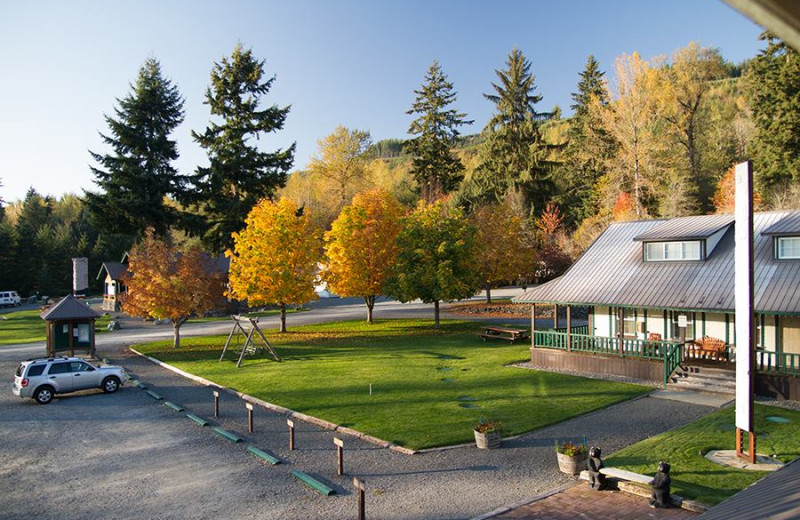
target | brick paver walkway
[{"x": 581, "y": 502}]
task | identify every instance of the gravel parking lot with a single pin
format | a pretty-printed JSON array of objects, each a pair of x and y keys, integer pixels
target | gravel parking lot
[{"x": 125, "y": 455}]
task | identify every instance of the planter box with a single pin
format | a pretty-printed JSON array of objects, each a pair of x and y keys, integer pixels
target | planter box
[
  {"x": 487, "y": 441},
  {"x": 571, "y": 465}
]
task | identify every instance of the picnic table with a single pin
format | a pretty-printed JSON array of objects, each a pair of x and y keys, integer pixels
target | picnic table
[{"x": 511, "y": 335}]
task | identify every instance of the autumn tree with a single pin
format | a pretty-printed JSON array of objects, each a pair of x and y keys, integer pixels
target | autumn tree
[
  {"x": 138, "y": 174},
  {"x": 239, "y": 174},
  {"x": 515, "y": 156},
  {"x": 632, "y": 120},
  {"x": 725, "y": 195},
  {"x": 774, "y": 96},
  {"x": 436, "y": 257},
  {"x": 436, "y": 169},
  {"x": 171, "y": 282},
  {"x": 551, "y": 260},
  {"x": 504, "y": 249},
  {"x": 342, "y": 160},
  {"x": 274, "y": 258},
  {"x": 361, "y": 246}
]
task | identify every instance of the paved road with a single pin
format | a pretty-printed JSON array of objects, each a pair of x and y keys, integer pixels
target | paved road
[{"x": 127, "y": 456}]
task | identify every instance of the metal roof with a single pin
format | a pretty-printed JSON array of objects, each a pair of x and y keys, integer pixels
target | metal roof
[
  {"x": 789, "y": 225},
  {"x": 69, "y": 309},
  {"x": 612, "y": 272},
  {"x": 116, "y": 270},
  {"x": 775, "y": 496},
  {"x": 686, "y": 228}
]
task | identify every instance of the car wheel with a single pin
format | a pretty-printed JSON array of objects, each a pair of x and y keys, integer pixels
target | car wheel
[
  {"x": 110, "y": 385},
  {"x": 43, "y": 395}
]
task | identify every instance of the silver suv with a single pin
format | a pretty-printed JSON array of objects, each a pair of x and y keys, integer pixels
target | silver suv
[
  {"x": 10, "y": 298},
  {"x": 43, "y": 378}
]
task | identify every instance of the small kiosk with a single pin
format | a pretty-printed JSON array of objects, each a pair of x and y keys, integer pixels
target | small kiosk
[{"x": 70, "y": 327}]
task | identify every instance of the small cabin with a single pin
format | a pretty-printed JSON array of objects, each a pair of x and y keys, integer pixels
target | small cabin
[
  {"x": 70, "y": 327},
  {"x": 114, "y": 285}
]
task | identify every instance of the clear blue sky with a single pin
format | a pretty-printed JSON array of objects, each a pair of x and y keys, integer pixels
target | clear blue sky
[{"x": 354, "y": 63}]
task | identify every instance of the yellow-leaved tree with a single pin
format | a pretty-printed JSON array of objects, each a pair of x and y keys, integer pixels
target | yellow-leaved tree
[
  {"x": 361, "y": 246},
  {"x": 171, "y": 282},
  {"x": 274, "y": 258}
]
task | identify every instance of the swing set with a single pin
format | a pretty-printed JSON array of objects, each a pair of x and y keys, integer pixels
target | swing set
[{"x": 250, "y": 347}]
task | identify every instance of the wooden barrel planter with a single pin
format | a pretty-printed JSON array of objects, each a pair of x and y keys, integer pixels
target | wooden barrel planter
[
  {"x": 488, "y": 440},
  {"x": 571, "y": 465}
]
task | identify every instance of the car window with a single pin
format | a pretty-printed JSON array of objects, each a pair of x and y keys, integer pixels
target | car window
[
  {"x": 36, "y": 370},
  {"x": 18, "y": 373},
  {"x": 59, "y": 368},
  {"x": 80, "y": 366}
]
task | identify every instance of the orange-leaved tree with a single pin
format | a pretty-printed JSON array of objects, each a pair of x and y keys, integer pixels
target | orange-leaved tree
[
  {"x": 171, "y": 282},
  {"x": 504, "y": 251},
  {"x": 724, "y": 199},
  {"x": 274, "y": 258},
  {"x": 361, "y": 246}
]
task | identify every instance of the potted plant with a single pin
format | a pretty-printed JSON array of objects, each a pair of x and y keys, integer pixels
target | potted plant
[
  {"x": 571, "y": 457},
  {"x": 488, "y": 434}
]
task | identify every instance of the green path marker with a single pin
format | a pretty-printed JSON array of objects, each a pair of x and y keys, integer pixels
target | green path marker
[
  {"x": 154, "y": 395},
  {"x": 198, "y": 420},
  {"x": 228, "y": 435},
  {"x": 176, "y": 407},
  {"x": 313, "y": 483},
  {"x": 263, "y": 455}
]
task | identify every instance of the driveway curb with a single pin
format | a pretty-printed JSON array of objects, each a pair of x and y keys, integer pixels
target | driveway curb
[{"x": 316, "y": 421}]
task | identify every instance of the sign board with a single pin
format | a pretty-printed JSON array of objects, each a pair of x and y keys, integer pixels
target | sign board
[
  {"x": 682, "y": 320},
  {"x": 80, "y": 276},
  {"x": 743, "y": 291}
]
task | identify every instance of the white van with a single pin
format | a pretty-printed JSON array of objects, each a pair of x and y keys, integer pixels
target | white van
[{"x": 9, "y": 298}]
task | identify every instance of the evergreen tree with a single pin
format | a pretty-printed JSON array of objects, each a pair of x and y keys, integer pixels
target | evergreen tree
[
  {"x": 774, "y": 96},
  {"x": 138, "y": 174},
  {"x": 436, "y": 169},
  {"x": 515, "y": 158},
  {"x": 239, "y": 174},
  {"x": 587, "y": 149}
]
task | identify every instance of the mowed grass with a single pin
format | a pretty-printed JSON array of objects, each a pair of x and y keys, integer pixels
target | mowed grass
[
  {"x": 429, "y": 387},
  {"x": 695, "y": 477},
  {"x": 28, "y": 327}
]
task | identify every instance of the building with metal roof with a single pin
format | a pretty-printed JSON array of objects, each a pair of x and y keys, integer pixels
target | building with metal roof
[{"x": 672, "y": 281}]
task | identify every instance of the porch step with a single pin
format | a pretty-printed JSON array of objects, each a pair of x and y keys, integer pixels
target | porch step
[{"x": 704, "y": 379}]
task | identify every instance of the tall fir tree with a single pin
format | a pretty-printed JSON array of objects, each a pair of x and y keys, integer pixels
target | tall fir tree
[
  {"x": 515, "y": 157},
  {"x": 774, "y": 96},
  {"x": 239, "y": 174},
  {"x": 587, "y": 149},
  {"x": 138, "y": 174},
  {"x": 435, "y": 168}
]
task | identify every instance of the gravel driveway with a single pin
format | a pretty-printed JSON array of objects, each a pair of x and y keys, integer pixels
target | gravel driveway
[{"x": 127, "y": 456}]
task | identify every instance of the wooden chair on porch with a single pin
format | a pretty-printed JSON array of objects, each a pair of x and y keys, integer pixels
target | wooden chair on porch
[{"x": 707, "y": 348}]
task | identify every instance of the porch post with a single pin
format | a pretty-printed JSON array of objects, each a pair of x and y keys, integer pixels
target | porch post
[
  {"x": 533, "y": 325},
  {"x": 555, "y": 315},
  {"x": 620, "y": 332},
  {"x": 569, "y": 328}
]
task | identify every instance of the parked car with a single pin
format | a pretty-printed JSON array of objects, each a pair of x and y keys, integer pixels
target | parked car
[
  {"x": 9, "y": 299},
  {"x": 43, "y": 378}
]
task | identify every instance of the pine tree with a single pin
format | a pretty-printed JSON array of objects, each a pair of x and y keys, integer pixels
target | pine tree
[
  {"x": 515, "y": 156},
  {"x": 138, "y": 174},
  {"x": 436, "y": 169},
  {"x": 774, "y": 96},
  {"x": 587, "y": 149},
  {"x": 239, "y": 174}
]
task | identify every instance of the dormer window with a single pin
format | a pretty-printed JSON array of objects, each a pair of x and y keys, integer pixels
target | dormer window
[
  {"x": 672, "y": 251},
  {"x": 788, "y": 248}
]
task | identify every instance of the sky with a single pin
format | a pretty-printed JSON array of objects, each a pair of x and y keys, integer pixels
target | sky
[{"x": 354, "y": 63}]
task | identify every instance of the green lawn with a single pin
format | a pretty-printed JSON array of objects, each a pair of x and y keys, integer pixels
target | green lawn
[
  {"x": 695, "y": 477},
  {"x": 28, "y": 327},
  {"x": 429, "y": 387}
]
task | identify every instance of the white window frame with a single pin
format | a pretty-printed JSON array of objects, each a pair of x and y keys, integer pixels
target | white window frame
[
  {"x": 662, "y": 251},
  {"x": 779, "y": 248}
]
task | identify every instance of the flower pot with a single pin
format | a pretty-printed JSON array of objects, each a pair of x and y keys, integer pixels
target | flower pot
[
  {"x": 488, "y": 440},
  {"x": 571, "y": 465}
]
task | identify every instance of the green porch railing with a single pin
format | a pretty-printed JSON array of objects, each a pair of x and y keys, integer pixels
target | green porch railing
[
  {"x": 779, "y": 362},
  {"x": 670, "y": 352},
  {"x": 577, "y": 329}
]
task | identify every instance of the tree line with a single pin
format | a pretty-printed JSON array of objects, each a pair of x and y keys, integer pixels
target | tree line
[{"x": 656, "y": 138}]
